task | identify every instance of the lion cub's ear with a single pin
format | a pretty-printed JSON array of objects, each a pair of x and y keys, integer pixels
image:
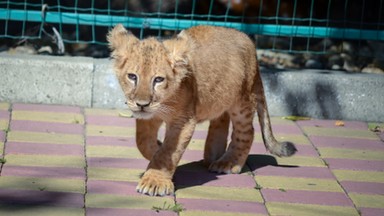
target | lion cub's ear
[
  {"x": 179, "y": 50},
  {"x": 119, "y": 39}
]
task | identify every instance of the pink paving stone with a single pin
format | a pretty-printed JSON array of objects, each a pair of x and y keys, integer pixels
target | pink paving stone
[
  {"x": 110, "y": 141},
  {"x": 2, "y": 136},
  {"x": 112, "y": 187},
  {"x": 110, "y": 121},
  {"x": 206, "y": 178},
  {"x": 281, "y": 129},
  {"x": 12, "y": 197},
  {"x": 193, "y": 155},
  {"x": 371, "y": 211},
  {"x": 46, "y": 108},
  {"x": 222, "y": 206},
  {"x": 43, "y": 149},
  {"x": 307, "y": 197},
  {"x": 46, "y": 127},
  {"x": 126, "y": 212},
  {"x": 128, "y": 163},
  {"x": 350, "y": 164},
  {"x": 331, "y": 124},
  {"x": 337, "y": 142},
  {"x": 302, "y": 150},
  {"x": 199, "y": 134},
  {"x": 363, "y": 187},
  {"x": 4, "y": 114},
  {"x": 43, "y": 172},
  {"x": 300, "y": 172}
]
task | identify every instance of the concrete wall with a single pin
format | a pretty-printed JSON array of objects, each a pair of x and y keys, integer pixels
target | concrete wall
[{"x": 91, "y": 82}]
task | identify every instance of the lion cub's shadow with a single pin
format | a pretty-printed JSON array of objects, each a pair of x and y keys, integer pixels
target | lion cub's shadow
[{"x": 196, "y": 174}]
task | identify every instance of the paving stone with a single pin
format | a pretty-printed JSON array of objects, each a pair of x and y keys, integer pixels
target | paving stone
[
  {"x": 371, "y": 211},
  {"x": 112, "y": 131},
  {"x": 299, "y": 172},
  {"x": 215, "y": 213},
  {"x": 46, "y": 108},
  {"x": 45, "y": 160},
  {"x": 222, "y": 205},
  {"x": 110, "y": 121},
  {"x": 350, "y": 143},
  {"x": 35, "y": 137},
  {"x": 363, "y": 187},
  {"x": 48, "y": 127},
  {"x": 58, "y": 117},
  {"x": 220, "y": 193},
  {"x": 359, "y": 176},
  {"x": 367, "y": 200},
  {"x": 332, "y": 124},
  {"x": 4, "y": 106},
  {"x": 25, "y": 210},
  {"x": 279, "y": 208},
  {"x": 351, "y": 164},
  {"x": 111, "y": 141},
  {"x": 113, "y": 151},
  {"x": 42, "y": 184},
  {"x": 340, "y": 132},
  {"x": 307, "y": 197},
  {"x": 293, "y": 183},
  {"x": 44, "y": 172},
  {"x": 44, "y": 149},
  {"x": 114, "y": 174},
  {"x": 126, "y": 163},
  {"x": 351, "y": 154},
  {"x": 112, "y": 187},
  {"x": 127, "y": 212},
  {"x": 128, "y": 202}
]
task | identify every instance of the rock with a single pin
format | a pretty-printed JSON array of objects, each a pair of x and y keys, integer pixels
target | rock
[
  {"x": 313, "y": 64},
  {"x": 372, "y": 69}
]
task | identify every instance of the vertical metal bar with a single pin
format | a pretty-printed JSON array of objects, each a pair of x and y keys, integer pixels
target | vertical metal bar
[
  {"x": 77, "y": 23},
  {"x": 94, "y": 23},
  {"x": 277, "y": 22},
  {"x": 210, "y": 10},
  {"x": 227, "y": 11},
  {"x": 160, "y": 3},
  {"x": 293, "y": 23},
  {"x": 25, "y": 19},
  {"x": 310, "y": 23},
  {"x": 327, "y": 23}
]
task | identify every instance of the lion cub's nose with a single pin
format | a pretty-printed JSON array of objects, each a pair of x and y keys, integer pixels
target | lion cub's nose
[{"x": 142, "y": 104}]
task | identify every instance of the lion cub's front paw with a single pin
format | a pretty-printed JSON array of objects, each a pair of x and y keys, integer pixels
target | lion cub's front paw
[{"x": 155, "y": 183}]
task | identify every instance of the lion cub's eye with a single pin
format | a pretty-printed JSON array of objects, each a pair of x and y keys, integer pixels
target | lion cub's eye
[
  {"x": 132, "y": 77},
  {"x": 158, "y": 79}
]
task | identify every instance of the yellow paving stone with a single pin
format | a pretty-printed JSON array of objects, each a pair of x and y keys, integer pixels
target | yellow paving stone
[
  {"x": 43, "y": 184},
  {"x": 48, "y": 138},
  {"x": 196, "y": 144},
  {"x": 113, "y": 131},
  {"x": 214, "y": 213},
  {"x": 357, "y": 154},
  {"x": 45, "y": 160},
  {"x": 202, "y": 126},
  {"x": 4, "y": 124},
  {"x": 297, "y": 138},
  {"x": 291, "y": 183},
  {"x": 4, "y": 106},
  {"x": 57, "y": 117},
  {"x": 113, "y": 151},
  {"x": 220, "y": 193},
  {"x": 367, "y": 200},
  {"x": 340, "y": 132},
  {"x": 301, "y": 161},
  {"x": 275, "y": 208},
  {"x": 359, "y": 176},
  {"x": 108, "y": 112},
  {"x": 114, "y": 174},
  {"x": 120, "y": 201},
  {"x": 18, "y": 210}
]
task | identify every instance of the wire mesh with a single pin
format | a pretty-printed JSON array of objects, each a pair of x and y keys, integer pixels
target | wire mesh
[{"x": 293, "y": 26}]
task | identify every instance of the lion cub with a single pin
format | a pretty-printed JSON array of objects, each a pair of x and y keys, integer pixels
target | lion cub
[{"x": 205, "y": 73}]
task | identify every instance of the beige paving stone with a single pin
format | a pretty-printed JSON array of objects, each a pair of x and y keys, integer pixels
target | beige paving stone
[
  {"x": 121, "y": 201},
  {"x": 108, "y": 112},
  {"x": 214, "y": 213},
  {"x": 359, "y": 176},
  {"x": 57, "y": 117},
  {"x": 291, "y": 183},
  {"x": 114, "y": 174},
  {"x": 301, "y": 161},
  {"x": 113, "y": 151},
  {"x": 40, "y": 211},
  {"x": 340, "y": 132},
  {"x": 367, "y": 200},
  {"x": 357, "y": 154},
  {"x": 297, "y": 139},
  {"x": 220, "y": 193},
  {"x": 37, "y": 137},
  {"x": 43, "y": 184},
  {"x": 112, "y": 131},
  {"x": 275, "y": 208},
  {"x": 45, "y": 160},
  {"x": 4, "y": 106},
  {"x": 4, "y": 124}
]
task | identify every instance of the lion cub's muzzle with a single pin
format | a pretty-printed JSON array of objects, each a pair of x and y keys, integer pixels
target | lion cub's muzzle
[{"x": 141, "y": 109}]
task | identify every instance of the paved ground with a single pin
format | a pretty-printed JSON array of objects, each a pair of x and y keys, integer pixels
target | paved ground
[{"x": 63, "y": 160}]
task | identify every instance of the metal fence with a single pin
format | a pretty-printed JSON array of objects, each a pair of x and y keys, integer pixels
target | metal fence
[{"x": 295, "y": 26}]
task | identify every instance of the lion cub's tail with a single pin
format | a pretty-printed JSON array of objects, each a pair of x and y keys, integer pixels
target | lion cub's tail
[{"x": 282, "y": 149}]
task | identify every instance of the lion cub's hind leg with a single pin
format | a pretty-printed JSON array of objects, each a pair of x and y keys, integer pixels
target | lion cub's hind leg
[
  {"x": 216, "y": 142},
  {"x": 146, "y": 136},
  {"x": 234, "y": 158}
]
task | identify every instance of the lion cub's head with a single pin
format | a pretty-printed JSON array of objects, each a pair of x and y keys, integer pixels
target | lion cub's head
[{"x": 149, "y": 71}]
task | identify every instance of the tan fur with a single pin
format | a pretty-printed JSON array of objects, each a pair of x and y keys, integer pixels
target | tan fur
[{"x": 205, "y": 73}]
